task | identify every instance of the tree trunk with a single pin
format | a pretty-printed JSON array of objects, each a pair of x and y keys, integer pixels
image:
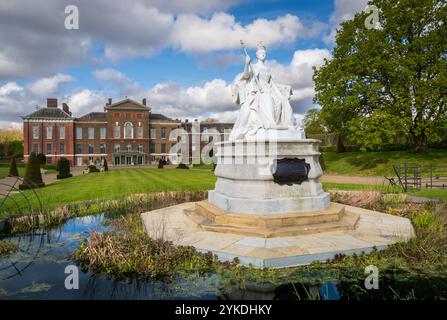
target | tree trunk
[
  {"x": 420, "y": 142},
  {"x": 340, "y": 146}
]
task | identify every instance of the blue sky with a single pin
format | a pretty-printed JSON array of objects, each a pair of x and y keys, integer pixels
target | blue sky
[{"x": 181, "y": 54}]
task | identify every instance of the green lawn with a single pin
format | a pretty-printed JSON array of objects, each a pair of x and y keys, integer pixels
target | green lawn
[
  {"x": 4, "y": 171},
  {"x": 119, "y": 182},
  {"x": 381, "y": 163}
]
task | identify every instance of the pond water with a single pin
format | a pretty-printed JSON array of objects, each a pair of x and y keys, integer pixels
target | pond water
[{"x": 37, "y": 271}]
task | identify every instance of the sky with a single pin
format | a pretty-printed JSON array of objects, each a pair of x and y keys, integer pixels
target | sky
[{"x": 182, "y": 55}]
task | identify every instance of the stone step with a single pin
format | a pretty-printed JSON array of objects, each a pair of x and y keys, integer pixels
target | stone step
[
  {"x": 220, "y": 217},
  {"x": 281, "y": 232}
]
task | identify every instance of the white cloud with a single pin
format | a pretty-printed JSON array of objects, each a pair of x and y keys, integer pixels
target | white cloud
[
  {"x": 222, "y": 32},
  {"x": 36, "y": 44},
  {"x": 45, "y": 86},
  {"x": 210, "y": 99},
  {"x": 344, "y": 10},
  {"x": 85, "y": 101},
  {"x": 110, "y": 74}
]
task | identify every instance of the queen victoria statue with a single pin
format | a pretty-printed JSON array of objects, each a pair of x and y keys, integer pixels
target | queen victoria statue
[{"x": 264, "y": 104}]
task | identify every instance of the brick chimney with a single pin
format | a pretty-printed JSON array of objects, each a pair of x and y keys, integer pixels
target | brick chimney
[
  {"x": 66, "y": 108},
  {"x": 110, "y": 102},
  {"x": 144, "y": 101},
  {"x": 51, "y": 103}
]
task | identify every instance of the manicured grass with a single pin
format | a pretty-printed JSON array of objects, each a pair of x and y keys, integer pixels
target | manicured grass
[
  {"x": 430, "y": 193},
  {"x": 381, "y": 163},
  {"x": 4, "y": 171},
  {"x": 350, "y": 186},
  {"x": 119, "y": 182}
]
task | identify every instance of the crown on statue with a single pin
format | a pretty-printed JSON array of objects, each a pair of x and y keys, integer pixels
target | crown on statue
[{"x": 261, "y": 46}]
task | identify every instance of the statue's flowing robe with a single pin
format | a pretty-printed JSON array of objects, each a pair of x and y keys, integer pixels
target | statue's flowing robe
[{"x": 264, "y": 104}]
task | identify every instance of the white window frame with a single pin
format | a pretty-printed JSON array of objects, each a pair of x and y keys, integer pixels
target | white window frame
[
  {"x": 49, "y": 132},
  {"x": 91, "y": 133},
  {"x": 125, "y": 130},
  {"x": 153, "y": 130},
  {"x": 140, "y": 133},
  {"x": 35, "y": 132},
  {"x": 117, "y": 132},
  {"x": 62, "y": 133},
  {"x": 102, "y": 133},
  {"x": 78, "y": 133}
]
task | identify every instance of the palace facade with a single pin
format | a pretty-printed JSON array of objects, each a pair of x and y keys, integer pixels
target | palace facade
[{"x": 126, "y": 133}]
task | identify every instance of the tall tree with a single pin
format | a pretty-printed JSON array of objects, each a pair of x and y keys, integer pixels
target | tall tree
[
  {"x": 390, "y": 81},
  {"x": 313, "y": 123}
]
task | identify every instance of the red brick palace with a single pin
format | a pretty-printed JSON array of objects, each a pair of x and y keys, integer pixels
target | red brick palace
[{"x": 126, "y": 133}]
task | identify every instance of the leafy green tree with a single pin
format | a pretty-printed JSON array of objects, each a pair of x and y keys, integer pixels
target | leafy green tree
[
  {"x": 33, "y": 177},
  {"x": 13, "y": 172},
  {"x": 390, "y": 81},
  {"x": 15, "y": 149},
  {"x": 313, "y": 122}
]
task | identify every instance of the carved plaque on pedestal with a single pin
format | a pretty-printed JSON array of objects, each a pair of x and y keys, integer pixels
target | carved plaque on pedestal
[{"x": 291, "y": 171}]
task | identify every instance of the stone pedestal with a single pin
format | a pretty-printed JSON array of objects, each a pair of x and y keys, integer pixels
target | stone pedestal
[{"x": 245, "y": 177}]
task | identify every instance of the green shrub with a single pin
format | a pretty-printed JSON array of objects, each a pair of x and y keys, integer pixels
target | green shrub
[
  {"x": 431, "y": 221},
  {"x": 42, "y": 158},
  {"x": 160, "y": 164},
  {"x": 64, "y": 169},
  {"x": 106, "y": 167},
  {"x": 92, "y": 168},
  {"x": 13, "y": 172},
  {"x": 182, "y": 166},
  {"x": 33, "y": 177}
]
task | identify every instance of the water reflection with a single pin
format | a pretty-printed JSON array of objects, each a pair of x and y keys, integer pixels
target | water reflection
[{"x": 36, "y": 271}]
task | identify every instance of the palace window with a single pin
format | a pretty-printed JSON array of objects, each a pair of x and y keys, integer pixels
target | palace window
[
  {"x": 102, "y": 148},
  {"x": 90, "y": 149},
  {"x": 152, "y": 148},
  {"x": 116, "y": 132},
  {"x": 163, "y": 148},
  {"x": 62, "y": 149},
  {"x": 62, "y": 133},
  {"x": 116, "y": 148},
  {"x": 35, "y": 132},
  {"x": 78, "y": 133},
  {"x": 49, "y": 132},
  {"x": 48, "y": 148},
  {"x": 153, "y": 133},
  {"x": 129, "y": 148},
  {"x": 128, "y": 130},
  {"x": 102, "y": 133},
  {"x": 79, "y": 148},
  {"x": 140, "y": 148},
  {"x": 91, "y": 133},
  {"x": 140, "y": 133},
  {"x": 163, "y": 133}
]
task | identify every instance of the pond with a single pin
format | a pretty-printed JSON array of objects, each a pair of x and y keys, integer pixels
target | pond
[{"x": 37, "y": 271}]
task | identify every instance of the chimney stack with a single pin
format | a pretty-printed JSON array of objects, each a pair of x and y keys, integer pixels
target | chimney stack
[
  {"x": 51, "y": 103},
  {"x": 66, "y": 108},
  {"x": 144, "y": 101},
  {"x": 110, "y": 102}
]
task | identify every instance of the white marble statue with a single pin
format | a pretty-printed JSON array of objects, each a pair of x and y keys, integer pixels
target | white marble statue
[{"x": 264, "y": 104}]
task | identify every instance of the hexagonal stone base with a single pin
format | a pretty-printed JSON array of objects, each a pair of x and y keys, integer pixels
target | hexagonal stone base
[{"x": 372, "y": 229}]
